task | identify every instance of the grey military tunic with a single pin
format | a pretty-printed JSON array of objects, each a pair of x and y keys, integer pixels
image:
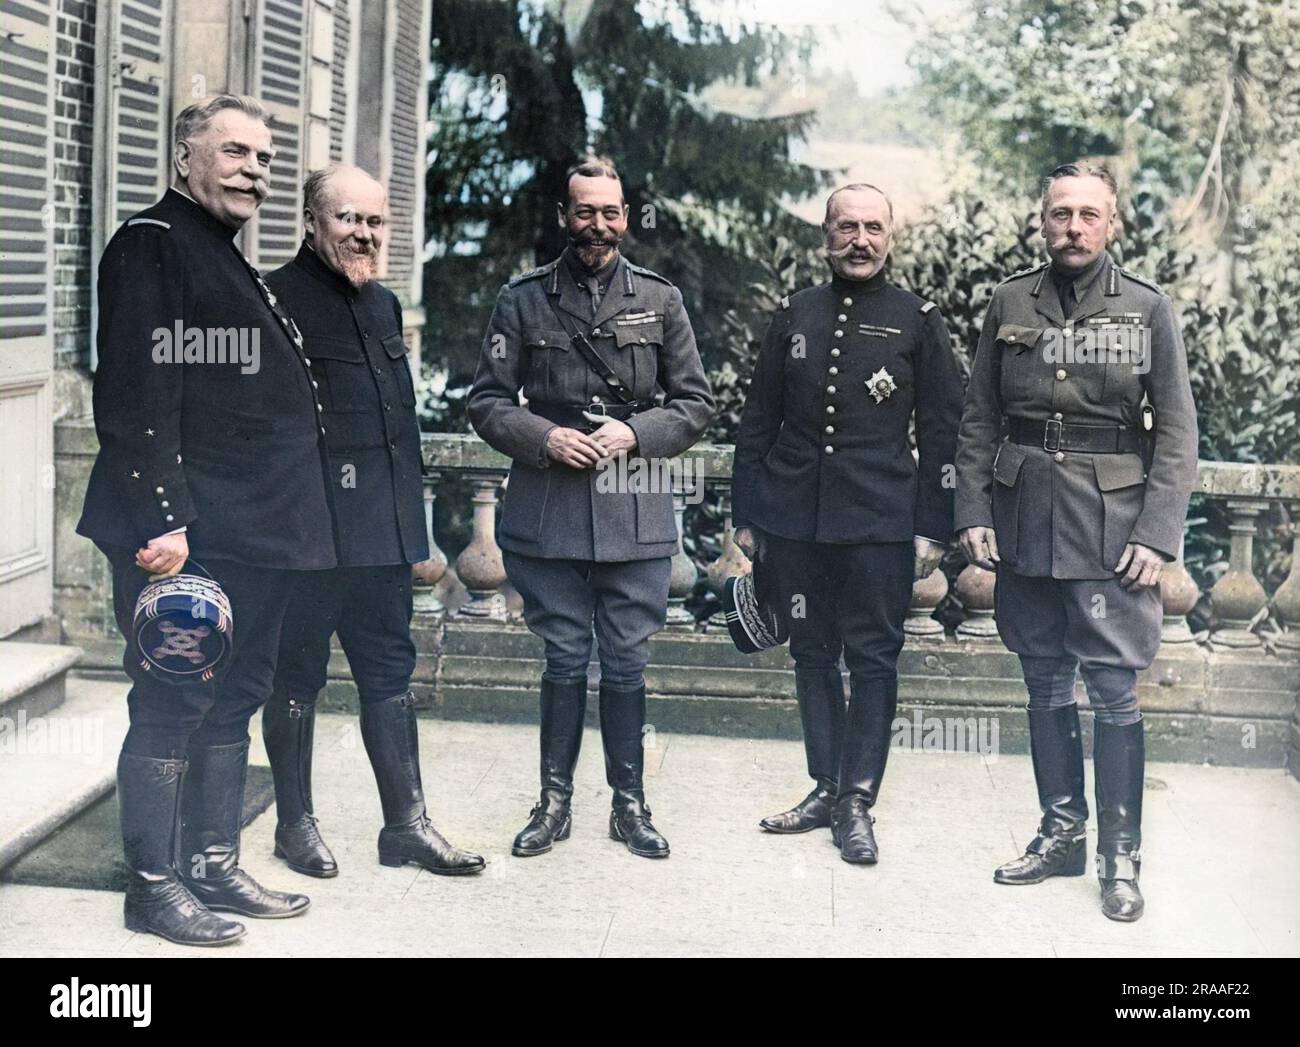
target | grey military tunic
[
  {"x": 641, "y": 330},
  {"x": 1062, "y": 516},
  {"x": 1067, "y": 514}
]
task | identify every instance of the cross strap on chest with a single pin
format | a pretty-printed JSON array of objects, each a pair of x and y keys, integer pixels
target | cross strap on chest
[{"x": 616, "y": 386}]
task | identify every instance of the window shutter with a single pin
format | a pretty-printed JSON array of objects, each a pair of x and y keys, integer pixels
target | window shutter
[
  {"x": 281, "y": 84},
  {"x": 137, "y": 146},
  {"x": 340, "y": 95},
  {"x": 26, "y": 150},
  {"x": 409, "y": 50}
]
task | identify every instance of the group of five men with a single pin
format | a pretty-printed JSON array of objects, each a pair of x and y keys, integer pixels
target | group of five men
[{"x": 297, "y": 487}]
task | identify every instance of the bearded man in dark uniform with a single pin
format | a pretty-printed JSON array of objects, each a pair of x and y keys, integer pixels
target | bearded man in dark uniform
[
  {"x": 586, "y": 553},
  {"x": 352, "y": 328}
]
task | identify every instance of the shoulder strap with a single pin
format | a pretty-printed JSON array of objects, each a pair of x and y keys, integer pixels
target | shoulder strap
[{"x": 582, "y": 343}]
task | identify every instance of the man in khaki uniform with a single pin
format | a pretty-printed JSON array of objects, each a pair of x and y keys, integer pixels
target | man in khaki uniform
[
  {"x": 1076, "y": 458},
  {"x": 605, "y": 357}
]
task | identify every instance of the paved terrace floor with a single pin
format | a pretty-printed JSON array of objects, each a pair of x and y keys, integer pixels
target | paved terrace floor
[{"x": 1221, "y": 849}]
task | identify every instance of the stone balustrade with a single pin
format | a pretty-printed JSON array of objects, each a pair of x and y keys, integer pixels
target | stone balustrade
[
  {"x": 1237, "y": 598},
  {"x": 1227, "y": 694}
]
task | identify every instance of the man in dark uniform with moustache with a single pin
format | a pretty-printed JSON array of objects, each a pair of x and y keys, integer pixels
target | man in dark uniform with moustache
[
  {"x": 352, "y": 327},
  {"x": 1076, "y": 461},
  {"x": 578, "y": 548},
  {"x": 217, "y": 459},
  {"x": 827, "y": 492}
]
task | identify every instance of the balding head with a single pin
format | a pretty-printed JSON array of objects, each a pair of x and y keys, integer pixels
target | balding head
[
  {"x": 855, "y": 187},
  {"x": 344, "y": 214},
  {"x": 859, "y": 230}
]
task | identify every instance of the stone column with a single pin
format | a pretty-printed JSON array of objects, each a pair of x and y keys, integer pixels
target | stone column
[
  {"x": 1286, "y": 601},
  {"x": 479, "y": 566},
  {"x": 684, "y": 573},
  {"x": 975, "y": 592},
  {"x": 426, "y": 574},
  {"x": 1178, "y": 595},
  {"x": 927, "y": 594},
  {"x": 1237, "y": 596}
]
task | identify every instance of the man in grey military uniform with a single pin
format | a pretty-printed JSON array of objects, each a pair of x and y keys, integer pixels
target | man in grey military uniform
[
  {"x": 1076, "y": 458},
  {"x": 589, "y": 338}
]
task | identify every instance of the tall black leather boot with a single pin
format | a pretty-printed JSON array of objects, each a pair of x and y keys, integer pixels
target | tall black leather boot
[
  {"x": 1118, "y": 765},
  {"x": 157, "y": 901},
  {"x": 1061, "y": 846},
  {"x": 392, "y": 741},
  {"x": 212, "y": 804},
  {"x": 622, "y": 718},
  {"x": 873, "y": 702},
  {"x": 821, "y": 708},
  {"x": 564, "y": 707},
  {"x": 288, "y": 728}
]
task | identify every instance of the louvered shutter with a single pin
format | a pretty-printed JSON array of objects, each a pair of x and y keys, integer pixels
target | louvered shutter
[
  {"x": 138, "y": 146},
  {"x": 340, "y": 102},
  {"x": 26, "y": 207},
  {"x": 280, "y": 33},
  {"x": 406, "y": 144}
]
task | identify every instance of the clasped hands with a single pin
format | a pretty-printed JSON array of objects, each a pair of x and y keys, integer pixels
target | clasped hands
[{"x": 577, "y": 449}]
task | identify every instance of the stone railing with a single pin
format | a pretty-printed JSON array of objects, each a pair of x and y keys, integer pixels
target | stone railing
[
  {"x": 1237, "y": 598},
  {"x": 1228, "y": 695}
]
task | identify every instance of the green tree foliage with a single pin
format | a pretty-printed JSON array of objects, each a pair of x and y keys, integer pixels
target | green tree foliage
[{"x": 523, "y": 89}]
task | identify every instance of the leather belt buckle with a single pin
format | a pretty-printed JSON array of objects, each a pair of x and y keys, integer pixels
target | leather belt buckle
[
  {"x": 597, "y": 407},
  {"x": 1048, "y": 444}
]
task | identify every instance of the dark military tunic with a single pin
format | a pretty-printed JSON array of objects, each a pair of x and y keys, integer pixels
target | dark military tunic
[
  {"x": 358, "y": 360},
  {"x": 235, "y": 457},
  {"x": 819, "y": 458},
  {"x": 233, "y": 453}
]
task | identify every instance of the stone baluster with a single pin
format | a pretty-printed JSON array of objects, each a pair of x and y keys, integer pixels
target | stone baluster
[
  {"x": 479, "y": 566},
  {"x": 426, "y": 574},
  {"x": 731, "y": 562},
  {"x": 927, "y": 594},
  {"x": 1286, "y": 601},
  {"x": 975, "y": 593},
  {"x": 1178, "y": 595},
  {"x": 1237, "y": 596},
  {"x": 684, "y": 572}
]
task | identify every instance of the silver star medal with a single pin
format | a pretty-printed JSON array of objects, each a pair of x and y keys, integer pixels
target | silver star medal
[{"x": 881, "y": 385}]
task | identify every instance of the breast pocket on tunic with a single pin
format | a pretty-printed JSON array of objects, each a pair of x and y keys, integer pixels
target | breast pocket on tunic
[
  {"x": 1126, "y": 352},
  {"x": 1018, "y": 345},
  {"x": 342, "y": 375},
  {"x": 1122, "y": 482},
  {"x": 1006, "y": 498},
  {"x": 395, "y": 348},
  {"x": 643, "y": 339},
  {"x": 549, "y": 376}
]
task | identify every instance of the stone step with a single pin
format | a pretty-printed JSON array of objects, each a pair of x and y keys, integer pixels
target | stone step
[
  {"x": 32, "y": 676},
  {"x": 55, "y": 764}
]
